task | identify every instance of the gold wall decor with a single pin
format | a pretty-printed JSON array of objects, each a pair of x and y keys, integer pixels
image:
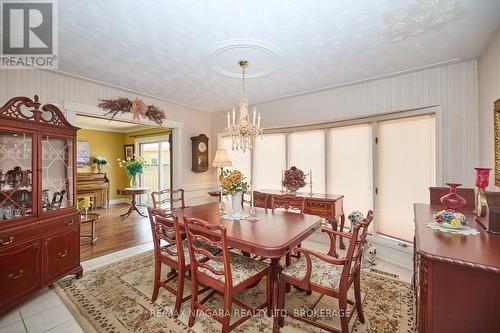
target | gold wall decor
[{"x": 497, "y": 141}]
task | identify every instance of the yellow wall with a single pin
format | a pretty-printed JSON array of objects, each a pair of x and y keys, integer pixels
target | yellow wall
[{"x": 110, "y": 146}]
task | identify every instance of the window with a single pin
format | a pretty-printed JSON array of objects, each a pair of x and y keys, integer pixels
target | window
[
  {"x": 406, "y": 169},
  {"x": 343, "y": 161},
  {"x": 349, "y": 166},
  {"x": 269, "y": 161},
  {"x": 307, "y": 152}
]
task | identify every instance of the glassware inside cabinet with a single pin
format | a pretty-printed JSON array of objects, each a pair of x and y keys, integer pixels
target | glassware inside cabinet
[
  {"x": 15, "y": 175},
  {"x": 57, "y": 173}
]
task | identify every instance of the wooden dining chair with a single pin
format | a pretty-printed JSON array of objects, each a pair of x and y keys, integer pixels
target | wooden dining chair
[
  {"x": 288, "y": 203},
  {"x": 167, "y": 196},
  {"x": 259, "y": 199},
  {"x": 170, "y": 249},
  {"x": 227, "y": 273},
  {"x": 435, "y": 194},
  {"x": 330, "y": 276}
]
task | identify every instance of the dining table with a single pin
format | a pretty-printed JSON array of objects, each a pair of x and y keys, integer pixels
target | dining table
[{"x": 272, "y": 235}]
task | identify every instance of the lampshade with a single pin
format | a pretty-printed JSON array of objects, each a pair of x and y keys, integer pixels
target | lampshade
[{"x": 221, "y": 159}]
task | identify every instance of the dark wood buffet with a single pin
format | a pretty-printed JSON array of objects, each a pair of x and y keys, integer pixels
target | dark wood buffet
[
  {"x": 456, "y": 278},
  {"x": 39, "y": 223}
]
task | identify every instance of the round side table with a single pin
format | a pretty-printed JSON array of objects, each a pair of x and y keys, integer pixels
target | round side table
[{"x": 133, "y": 192}]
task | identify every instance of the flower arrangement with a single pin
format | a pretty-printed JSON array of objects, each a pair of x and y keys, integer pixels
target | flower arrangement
[
  {"x": 450, "y": 219},
  {"x": 294, "y": 179},
  {"x": 233, "y": 182},
  {"x": 137, "y": 107},
  {"x": 133, "y": 166}
]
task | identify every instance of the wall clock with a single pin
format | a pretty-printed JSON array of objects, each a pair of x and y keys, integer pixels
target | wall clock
[{"x": 199, "y": 145}]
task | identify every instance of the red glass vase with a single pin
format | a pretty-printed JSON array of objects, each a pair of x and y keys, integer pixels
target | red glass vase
[
  {"x": 482, "y": 178},
  {"x": 452, "y": 200}
]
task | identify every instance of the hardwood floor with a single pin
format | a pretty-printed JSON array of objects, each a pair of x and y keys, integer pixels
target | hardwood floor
[{"x": 114, "y": 233}]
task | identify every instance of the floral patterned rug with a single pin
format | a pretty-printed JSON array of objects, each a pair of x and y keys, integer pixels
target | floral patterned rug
[{"x": 116, "y": 298}]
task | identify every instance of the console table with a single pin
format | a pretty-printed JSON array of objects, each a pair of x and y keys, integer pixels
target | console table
[
  {"x": 456, "y": 278},
  {"x": 133, "y": 192},
  {"x": 328, "y": 206}
]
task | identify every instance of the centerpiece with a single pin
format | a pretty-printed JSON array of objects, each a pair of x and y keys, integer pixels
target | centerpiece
[
  {"x": 294, "y": 179},
  {"x": 450, "y": 219},
  {"x": 99, "y": 162},
  {"x": 134, "y": 168},
  {"x": 233, "y": 182}
]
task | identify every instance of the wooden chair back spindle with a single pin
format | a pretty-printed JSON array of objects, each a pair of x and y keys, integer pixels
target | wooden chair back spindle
[
  {"x": 167, "y": 196},
  {"x": 200, "y": 235},
  {"x": 288, "y": 203},
  {"x": 354, "y": 253},
  {"x": 259, "y": 199}
]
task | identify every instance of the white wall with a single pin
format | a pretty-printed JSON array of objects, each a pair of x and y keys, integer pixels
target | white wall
[
  {"x": 452, "y": 87},
  {"x": 489, "y": 92},
  {"x": 60, "y": 89}
]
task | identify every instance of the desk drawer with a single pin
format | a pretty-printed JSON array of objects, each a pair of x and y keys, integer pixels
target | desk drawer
[{"x": 320, "y": 208}]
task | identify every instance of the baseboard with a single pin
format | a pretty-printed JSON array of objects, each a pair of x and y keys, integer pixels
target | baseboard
[{"x": 119, "y": 201}]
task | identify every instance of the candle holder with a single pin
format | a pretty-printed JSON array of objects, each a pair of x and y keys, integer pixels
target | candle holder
[{"x": 310, "y": 183}]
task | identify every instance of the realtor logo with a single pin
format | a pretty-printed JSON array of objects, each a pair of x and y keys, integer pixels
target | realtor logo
[{"x": 29, "y": 33}]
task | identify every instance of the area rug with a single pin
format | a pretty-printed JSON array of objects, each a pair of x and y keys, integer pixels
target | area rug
[{"x": 116, "y": 298}]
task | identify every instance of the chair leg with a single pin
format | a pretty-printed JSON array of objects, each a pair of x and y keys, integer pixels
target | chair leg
[
  {"x": 288, "y": 262},
  {"x": 180, "y": 293},
  {"x": 194, "y": 300},
  {"x": 269, "y": 292},
  {"x": 357, "y": 296},
  {"x": 344, "y": 319},
  {"x": 157, "y": 277},
  {"x": 226, "y": 319},
  {"x": 281, "y": 301}
]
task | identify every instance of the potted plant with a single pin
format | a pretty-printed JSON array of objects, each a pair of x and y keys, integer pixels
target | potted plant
[
  {"x": 294, "y": 179},
  {"x": 234, "y": 184},
  {"x": 134, "y": 168},
  {"x": 99, "y": 162}
]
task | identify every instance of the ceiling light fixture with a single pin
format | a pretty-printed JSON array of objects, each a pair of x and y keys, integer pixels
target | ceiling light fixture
[{"x": 244, "y": 132}]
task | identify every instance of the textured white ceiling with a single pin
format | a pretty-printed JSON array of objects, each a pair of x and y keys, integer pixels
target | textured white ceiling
[
  {"x": 186, "y": 51},
  {"x": 101, "y": 124}
]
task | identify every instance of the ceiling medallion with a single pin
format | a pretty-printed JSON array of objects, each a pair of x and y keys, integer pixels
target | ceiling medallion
[
  {"x": 221, "y": 57},
  {"x": 244, "y": 132}
]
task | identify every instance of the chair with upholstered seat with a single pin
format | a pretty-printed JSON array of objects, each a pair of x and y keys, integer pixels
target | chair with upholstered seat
[
  {"x": 259, "y": 199},
  {"x": 330, "y": 276},
  {"x": 173, "y": 253},
  {"x": 166, "y": 199},
  {"x": 289, "y": 203},
  {"x": 227, "y": 273}
]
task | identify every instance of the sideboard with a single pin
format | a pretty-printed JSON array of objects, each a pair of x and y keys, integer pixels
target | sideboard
[
  {"x": 328, "y": 206},
  {"x": 456, "y": 278}
]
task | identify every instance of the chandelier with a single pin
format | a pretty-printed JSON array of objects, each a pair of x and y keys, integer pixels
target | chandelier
[{"x": 244, "y": 132}]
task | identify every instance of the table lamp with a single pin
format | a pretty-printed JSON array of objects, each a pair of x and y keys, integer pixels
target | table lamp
[{"x": 221, "y": 160}]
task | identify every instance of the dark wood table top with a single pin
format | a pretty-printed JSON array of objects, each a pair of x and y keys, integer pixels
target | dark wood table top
[
  {"x": 304, "y": 194},
  {"x": 272, "y": 236},
  {"x": 481, "y": 251},
  {"x": 132, "y": 191}
]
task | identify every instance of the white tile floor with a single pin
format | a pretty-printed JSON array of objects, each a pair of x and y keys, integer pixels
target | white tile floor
[{"x": 45, "y": 312}]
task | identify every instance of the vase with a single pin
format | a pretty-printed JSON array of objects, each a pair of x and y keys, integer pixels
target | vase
[
  {"x": 236, "y": 203},
  {"x": 452, "y": 200},
  {"x": 482, "y": 178},
  {"x": 134, "y": 181}
]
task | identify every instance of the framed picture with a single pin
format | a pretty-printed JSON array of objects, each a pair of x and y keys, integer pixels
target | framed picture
[
  {"x": 129, "y": 152},
  {"x": 82, "y": 154}
]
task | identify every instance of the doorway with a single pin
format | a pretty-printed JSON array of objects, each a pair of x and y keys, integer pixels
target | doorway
[{"x": 158, "y": 170}]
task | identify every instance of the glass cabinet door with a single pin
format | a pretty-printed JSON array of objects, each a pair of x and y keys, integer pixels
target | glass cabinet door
[
  {"x": 15, "y": 175},
  {"x": 57, "y": 172}
]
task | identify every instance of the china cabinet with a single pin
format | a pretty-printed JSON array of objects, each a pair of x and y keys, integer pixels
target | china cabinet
[{"x": 39, "y": 223}]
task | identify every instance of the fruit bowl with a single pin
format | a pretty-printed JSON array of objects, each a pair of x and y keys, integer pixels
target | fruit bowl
[{"x": 450, "y": 219}]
